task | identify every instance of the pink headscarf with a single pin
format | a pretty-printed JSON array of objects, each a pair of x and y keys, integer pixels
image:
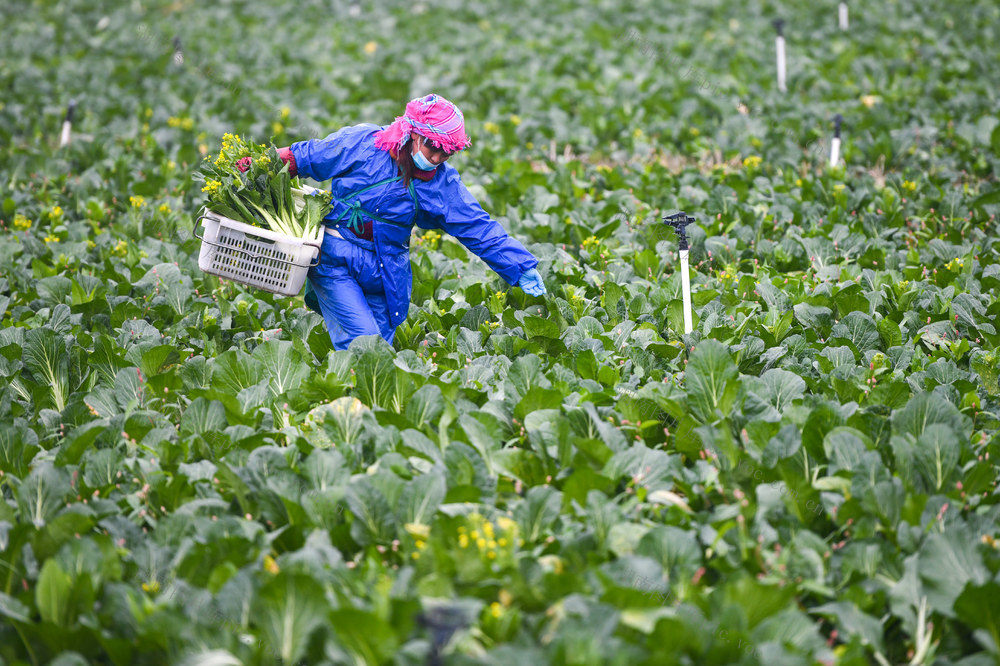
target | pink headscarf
[{"x": 432, "y": 117}]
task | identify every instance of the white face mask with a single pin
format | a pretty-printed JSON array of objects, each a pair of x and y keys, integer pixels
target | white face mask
[{"x": 422, "y": 162}]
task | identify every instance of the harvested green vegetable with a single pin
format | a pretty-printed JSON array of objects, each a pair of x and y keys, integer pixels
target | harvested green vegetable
[{"x": 249, "y": 183}]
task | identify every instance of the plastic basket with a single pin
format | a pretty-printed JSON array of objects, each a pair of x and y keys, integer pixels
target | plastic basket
[{"x": 256, "y": 257}]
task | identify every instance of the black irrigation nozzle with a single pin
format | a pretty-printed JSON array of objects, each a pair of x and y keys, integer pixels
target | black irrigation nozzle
[
  {"x": 680, "y": 221},
  {"x": 70, "y": 110},
  {"x": 779, "y": 25},
  {"x": 837, "y": 119},
  {"x": 442, "y": 622}
]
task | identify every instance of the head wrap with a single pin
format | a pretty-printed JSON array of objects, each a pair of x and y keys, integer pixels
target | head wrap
[{"x": 432, "y": 117}]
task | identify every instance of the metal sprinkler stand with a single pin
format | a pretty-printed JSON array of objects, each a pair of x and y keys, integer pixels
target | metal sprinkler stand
[{"x": 680, "y": 221}]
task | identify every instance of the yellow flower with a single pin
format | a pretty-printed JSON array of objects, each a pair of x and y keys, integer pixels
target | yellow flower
[
  {"x": 174, "y": 121},
  {"x": 494, "y": 324},
  {"x": 21, "y": 223},
  {"x": 371, "y": 47},
  {"x": 164, "y": 208},
  {"x": 285, "y": 112},
  {"x": 152, "y": 588},
  {"x": 869, "y": 100},
  {"x": 752, "y": 162},
  {"x": 798, "y": 182},
  {"x": 839, "y": 187},
  {"x": 463, "y": 541},
  {"x": 488, "y": 530},
  {"x": 515, "y": 120},
  {"x": 492, "y": 128},
  {"x": 502, "y": 542},
  {"x": 529, "y": 145},
  {"x": 270, "y": 565},
  {"x": 496, "y": 609},
  {"x": 149, "y": 113},
  {"x": 203, "y": 149},
  {"x": 421, "y": 544},
  {"x": 91, "y": 244},
  {"x": 491, "y": 555},
  {"x": 415, "y": 556},
  {"x": 277, "y": 128},
  {"x": 506, "y": 524},
  {"x": 695, "y": 131},
  {"x": 171, "y": 165},
  {"x": 56, "y": 213},
  {"x": 909, "y": 186},
  {"x": 121, "y": 249},
  {"x": 211, "y": 186},
  {"x": 587, "y": 242},
  {"x": 137, "y": 201},
  {"x": 481, "y": 543},
  {"x": 51, "y": 239},
  {"x": 187, "y": 124},
  {"x": 637, "y": 132}
]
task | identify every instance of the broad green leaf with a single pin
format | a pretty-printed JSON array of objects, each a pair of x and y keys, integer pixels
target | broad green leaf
[
  {"x": 46, "y": 357},
  {"x": 712, "y": 381},
  {"x": 287, "y": 609},
  {"x": 52, "y": 595}
]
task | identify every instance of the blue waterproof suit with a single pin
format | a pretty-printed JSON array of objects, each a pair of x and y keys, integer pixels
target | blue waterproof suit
[{"x": 363, "y": 287}]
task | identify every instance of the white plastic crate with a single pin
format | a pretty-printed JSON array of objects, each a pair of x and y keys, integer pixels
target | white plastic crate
[{"x": 254, "y": 256}]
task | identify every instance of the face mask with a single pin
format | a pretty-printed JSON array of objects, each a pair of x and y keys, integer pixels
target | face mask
[{"x": 422, "y": 162}]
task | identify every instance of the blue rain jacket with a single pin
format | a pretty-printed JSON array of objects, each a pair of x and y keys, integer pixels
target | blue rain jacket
[{"x": 350, "y": 158}]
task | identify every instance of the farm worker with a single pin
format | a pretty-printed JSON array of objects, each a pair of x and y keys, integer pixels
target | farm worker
[{"x": 385, "y": 180}]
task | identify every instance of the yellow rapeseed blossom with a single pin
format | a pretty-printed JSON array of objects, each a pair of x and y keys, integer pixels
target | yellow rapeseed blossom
[
  {"x": 371, "y": 47},
  {"x": 637, "y": 132},
  {"x": 120, "y": 249},
  {"x": 285, "y": 112},
  {"x": 56, "y": 213},
  {"x": 164, "y": 208},
  {"x": 149, "y": 113},
  {"x": 492, "y": 128},
  {"x": 270, "y": 565},
  {"x": 137, "y": 201},
  {"x": 515, "y": 119},
  {"x": 752, "y": 162},
  {"x": 91, "y": 244},
  {"x": 869, "y": 100},
  {"x": 211, "y": 186},
  {"x": 695, "y": 131},
  {"x": 591, "y": 241},
  {"x": 171, "y": 165},
  {"x": 277, "y": 128},
  {"x": 415, "y": 556},
  {"x": 480, "y": 543},
  {"x": 51, "y": 239},
  {"x": 152, "y": 588},
  {"x": 529, "y": 145},
  {"x": 909, "y": 186},
  {"x": 839, "y": 187},
  {"x": 955, "y": 264},
  {"x": 496, "y": 609},
  {"x": 203, "y": 149},
  {"x": 421, "y": 544},
  {"x": 21, "y": 223},
  {"x": 463, "y": 540}
]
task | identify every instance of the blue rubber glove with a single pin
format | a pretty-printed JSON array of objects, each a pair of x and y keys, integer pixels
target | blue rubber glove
[{"x": 531, "y": 283}]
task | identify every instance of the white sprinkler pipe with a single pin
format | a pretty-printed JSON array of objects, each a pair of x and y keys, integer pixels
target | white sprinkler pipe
[
  {"x": 67, "y": 127},
  {"x": 843, "y": 16},
  {"x": 835, "y": 144},
  {"x": 680, "y": 221},
  {"x": 686, "y": 291},
  {"x": 779, "y": 43}
]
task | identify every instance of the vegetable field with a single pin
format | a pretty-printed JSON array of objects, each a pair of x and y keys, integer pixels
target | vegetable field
[{"x": 190, "y": 474}]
